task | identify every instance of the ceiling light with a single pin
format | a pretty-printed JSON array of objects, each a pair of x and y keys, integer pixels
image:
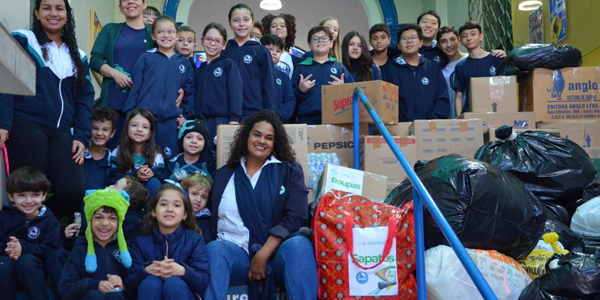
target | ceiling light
[
  {"x": 528, "y": 5},
  {"x": 270, "y": 4}
]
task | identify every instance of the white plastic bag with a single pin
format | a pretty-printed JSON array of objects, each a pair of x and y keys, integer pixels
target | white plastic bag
[
  {"x": 447, "y": 279},
  {"x": 586, "y": 220}
]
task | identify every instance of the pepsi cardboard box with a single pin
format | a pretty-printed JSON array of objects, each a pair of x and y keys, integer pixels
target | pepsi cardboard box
[
  {"x": 336, "y": 102},
  {"x": 519, "y": 120},
  {"x": 584, "y": 133},
  {"x": 337, "y": 139},
  {"x": 494, "y": 94},
  {"x": 297, "y": 133},
  {"x": 437, "y": 138},
  {"x": 568, "y": 94}
]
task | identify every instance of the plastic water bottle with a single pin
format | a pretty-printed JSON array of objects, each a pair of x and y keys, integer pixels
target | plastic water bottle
[
  {"x": 334, "y": 159},
  {"x": 312, "y": 159},
  {"x": 313, "y": 178}
]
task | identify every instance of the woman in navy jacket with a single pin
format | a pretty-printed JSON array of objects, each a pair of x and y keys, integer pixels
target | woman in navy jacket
[
  {"x": 259, "y": 202},
  {"x": 49, "y": 131}
]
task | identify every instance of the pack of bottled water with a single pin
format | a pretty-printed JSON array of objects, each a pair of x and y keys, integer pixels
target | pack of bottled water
[{"x": 317, "y": 163}]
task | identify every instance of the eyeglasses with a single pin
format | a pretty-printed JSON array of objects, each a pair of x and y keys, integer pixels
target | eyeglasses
[
  {"x": 317, "y": 39},
  {"x": 168, "y": 32},
  {"x": 412, "y": 38},
  {"x": 209, "y": 40},
  {"x": 256, "y": 35}
]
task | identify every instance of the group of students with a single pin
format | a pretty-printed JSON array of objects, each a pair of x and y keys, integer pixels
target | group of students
[{"x": 145, "y": 149}]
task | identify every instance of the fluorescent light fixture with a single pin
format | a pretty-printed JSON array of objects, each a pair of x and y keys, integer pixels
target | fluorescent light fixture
[
  {"x": 270, "y": 4},
  {"x": 527, "y": 5}
]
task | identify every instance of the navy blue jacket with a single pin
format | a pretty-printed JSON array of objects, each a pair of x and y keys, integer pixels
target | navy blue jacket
[
  {"x": 157, "y": 80},
  {"x": 374, "y": 68},
  {"x": 218, "y": 89},
  {"x": 185, "y": 246},
  {"x": 132, "y": 224},
  {"x": 291, "y": 207},
  {"x": 434, "y": 54},
  {"x": 39, "y": 236},
  {"x": 256, "y": 68},
  {"x": 75, "y": 281},
  {"x": 203, "y": 223},
  {"x": 309, "y": 103},
  {"x": 60, "y": 101},
  {"x": 208, "y": 166},
  {"x": 96, "y": 171},
  {"x": 471, "y": 68},
  {"x": 423, "y": 93},
  {"x": 285, "y": 95}
]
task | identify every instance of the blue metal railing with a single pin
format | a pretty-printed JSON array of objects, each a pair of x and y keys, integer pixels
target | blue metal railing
[{"x": 420, "y": 196}]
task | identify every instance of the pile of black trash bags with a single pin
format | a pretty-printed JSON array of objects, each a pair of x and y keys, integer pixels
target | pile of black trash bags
[{"x": 511, "y": 193}]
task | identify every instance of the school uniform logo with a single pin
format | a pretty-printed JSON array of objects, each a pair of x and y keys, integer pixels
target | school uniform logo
[
  {"x": 437, "y": 59},
  {"x": 278, "y": 81},
  {"x": 425, "y": 81},
  {"x": 182, "y": 68},
  {"x": 33, "y": 233},
  {"x": 117, "y": 255},
  {"x": 167, "y": 151},
  {"x": 493, "y": 71},
  {"x": 282, "y": 190},
  {"x": 334, "y": 71},
  {"x": 218, "y": 72},
  {"x": 247, "y": 59}
]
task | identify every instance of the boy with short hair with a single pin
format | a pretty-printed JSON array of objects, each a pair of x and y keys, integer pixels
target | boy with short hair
[
  {"x": 186, "y": 43},
  {"x": 97, "y": 265},
  {"x": 430, "y": 23},
  {"x": 383, "y": 55},
  {"x": 138, "y": 201},
  {"x": 96, "y": 162},
  {"x": 283, "y": 84},
  {"x": 314, "y": 72},
  {"x": 150, "y": 14},
  {"x": 198, "y": 187},
  {"x": 448, "y": 42},
  {"x": 480, "y": 63},
  {"x": 29, "y": 231},
  {"x": 423, "y": 93},
  {"x": 193, "y": 139}
]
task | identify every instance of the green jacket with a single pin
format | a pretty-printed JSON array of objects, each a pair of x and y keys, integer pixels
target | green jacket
[{"x": 103, "y": 53}]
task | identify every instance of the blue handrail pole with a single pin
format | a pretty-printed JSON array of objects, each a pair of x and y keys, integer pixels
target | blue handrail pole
[
  {"x": 419, "y": 246},
  {"x": 461, "y": 252},
  {"x": 356, "y": 130}
]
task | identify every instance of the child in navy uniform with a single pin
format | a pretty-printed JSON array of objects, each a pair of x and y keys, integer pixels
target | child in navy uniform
[
  {"x": 96, "y": 163},
  {"x": 158, "y": 76},
  {"x": 198, "y": 187},
  {"x": 480, "y": 63},
  {"x": 30, "y": 232},
  {"x": 383, "y": 55},
  {"x": 314, "y": 72},
  {"x": 195, "y": 158},
  {"x": 357, "y": 58},
  {"x": 254, "y": 62},
  {"x": 97, "y": 265},
  {"x": 423, "y": 93},
  {"x": 186, "y": 43},
  {"x": 430, "y": 24},
  {"x": 170, "y": 260},
  {"x": 218, "y": 84},
  {"x": 286, "y": 102}
]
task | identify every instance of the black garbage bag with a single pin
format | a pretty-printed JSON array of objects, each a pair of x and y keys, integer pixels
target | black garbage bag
[
  {"x": 557, "y": 212},
  {"x": 591, "y": 191},
  {"x": 534, "y": 292},
  {"x": 587, "y": 244},
  {"x": 531, "y": 56},
  {"x": 486, "y": 207},
  {"x": 554, "y": 169},
  {"x": 566, "y": 236},
  {"x": 575, "y": 275}
]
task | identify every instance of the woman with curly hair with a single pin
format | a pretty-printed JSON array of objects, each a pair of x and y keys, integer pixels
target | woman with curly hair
[
  {"x": 284, "y": 26},
  {"x": 40, "y": 126},
  {"x": 259, "y": 202}
]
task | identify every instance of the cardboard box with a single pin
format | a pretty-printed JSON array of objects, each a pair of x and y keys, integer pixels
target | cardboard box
[
  {"x": 400, "y": 129},
  {"x": 584, "y": 133},
  {"x": 565, "y": 94},
  {"x": 490, "y": 134},
  {"x": 377, "y": 156},
  {"x": 336, "y": 102},
  {"x": 337, "y": 139},
  {"x": 369, "y": 185},
  {"x": 297, "y": 133},
  {"x": 520, "y": 120},
  {"x": 494, "y": 94},
  {"x": 437, "y": 138}
]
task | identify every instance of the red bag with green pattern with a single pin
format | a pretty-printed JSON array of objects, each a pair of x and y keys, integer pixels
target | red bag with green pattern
[{"x": 364, "y": 249}]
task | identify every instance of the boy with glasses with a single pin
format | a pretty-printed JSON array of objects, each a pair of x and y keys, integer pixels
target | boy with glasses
[
  {"x": 314, "y": 72},
  {"x": 423, "y": 92}
]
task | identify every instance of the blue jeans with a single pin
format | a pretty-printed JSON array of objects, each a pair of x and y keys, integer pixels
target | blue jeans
[
  {"x": 171, "y": 288},
  {"x": 27, "y": 272},
  {"x": 294, "y": 266},
  {"x": 98, "y": 295}
]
